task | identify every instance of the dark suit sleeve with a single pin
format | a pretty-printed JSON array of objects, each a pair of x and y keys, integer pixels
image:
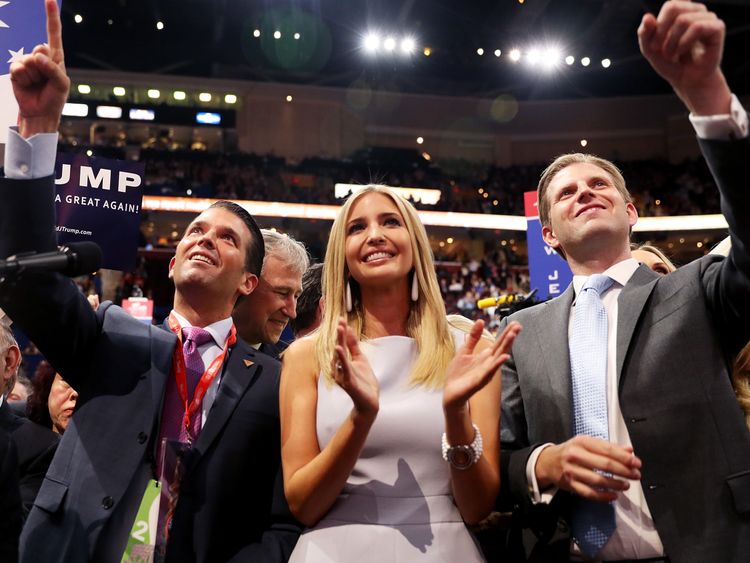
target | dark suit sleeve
[
  {"x": 36, "y": 447},
  {"x": 45, "y": 306},
  {"x": 728, "y": 283},
  {"x": 11, "y": 516},
  {"x": 278, "y": 541}
]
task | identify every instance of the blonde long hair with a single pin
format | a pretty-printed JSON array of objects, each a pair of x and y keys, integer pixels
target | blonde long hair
[
  {"x": 426, "y": 323},
  {"x": 741, "y": 381}
]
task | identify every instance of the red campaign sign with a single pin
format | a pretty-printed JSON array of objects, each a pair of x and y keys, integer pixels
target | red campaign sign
[
  {"x": 140, "y": 308},
  {"x": 530, "y": 208}
]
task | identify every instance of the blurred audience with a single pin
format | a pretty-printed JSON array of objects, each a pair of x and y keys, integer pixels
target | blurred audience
[
  {"x": 53, "y": 401},
  {"x": 310, "y": 302}
]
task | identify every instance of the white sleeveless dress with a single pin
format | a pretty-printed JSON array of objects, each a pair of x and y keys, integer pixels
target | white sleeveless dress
[{"x": 396, "y": 506}]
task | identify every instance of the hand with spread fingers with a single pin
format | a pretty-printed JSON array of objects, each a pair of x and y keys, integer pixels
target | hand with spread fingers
[
  {"x": 469, "y": 371},
  {"x": 352, "y": 372},
  {"x": 684, "y": 44},
  {"x": 40, "y": 83}
]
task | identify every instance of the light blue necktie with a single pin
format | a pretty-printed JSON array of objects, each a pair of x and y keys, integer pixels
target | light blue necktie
[{"x": 592, "y": 522}]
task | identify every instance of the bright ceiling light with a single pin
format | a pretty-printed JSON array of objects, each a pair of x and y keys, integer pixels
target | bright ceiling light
[
  {"x": 480, "y": 51},
  {"x": 498, "y": 52},
  {"x": 256, "y": 33},
  {"x": 289, "y": 98},
  {"x": 515, "y": 55},
  {"x": 159, "y": 25},
  {"x": 297, "y": 36},
  {"x": 585, "y": 61},
  {"x": 551, "y": 57},
  {"x": 230, "y": 99},
  {"x": 584, "y": 142},
  {"x": 153, "y": 93},
  {"x": 78, "y": 18},
  {"x": 420, "y": 140},
  {"x": 407, "y": 45},
  {"x": 389, "y": 44},
  {"x": 371, "y": 42},
  {"x": 204, "y": 97},
  {"x": 569, "y": 60},
  {"x": 427, "y": 51},
  {"x": 84, "y": 89},
  {"x": 606, "y": 63},
  {"x": 533, "y": 56},
  {"x": 277, "y": 34},
  {"x": 179, "y": 95},
  {"x": 118, "y": 91}
]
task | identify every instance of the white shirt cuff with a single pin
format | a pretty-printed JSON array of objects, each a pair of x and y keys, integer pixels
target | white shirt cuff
[
  {"x": 732, "y": 125},
  {"x": 30, "y": 158},
  {"x": 537, "y": 496}
]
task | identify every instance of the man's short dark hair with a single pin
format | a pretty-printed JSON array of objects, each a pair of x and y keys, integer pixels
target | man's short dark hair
[
  {"x": 255, "y": 250},
  {"x": 307, "y": 304}
]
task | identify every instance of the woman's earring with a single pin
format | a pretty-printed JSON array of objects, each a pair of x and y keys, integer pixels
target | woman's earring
[
  {"x": 348, "y": 297},
  {"x": 414, "y": 287}
]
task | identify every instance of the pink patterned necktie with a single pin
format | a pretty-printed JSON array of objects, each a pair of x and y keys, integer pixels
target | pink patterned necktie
[{"x": 174, "y": 409}]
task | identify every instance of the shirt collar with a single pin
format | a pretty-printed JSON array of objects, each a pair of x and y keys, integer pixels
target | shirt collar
[
  {"x": 620, "y": 272},
  {"x": 219, "y": 330}
]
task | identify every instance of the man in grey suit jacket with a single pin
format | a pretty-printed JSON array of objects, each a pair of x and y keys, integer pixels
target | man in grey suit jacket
[
  {"x": 231, "y": 504},
  {"x": 677, "y": 463}
]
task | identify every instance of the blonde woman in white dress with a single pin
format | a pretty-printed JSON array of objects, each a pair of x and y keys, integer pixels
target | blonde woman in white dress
[{"x": 389, "y": 417}]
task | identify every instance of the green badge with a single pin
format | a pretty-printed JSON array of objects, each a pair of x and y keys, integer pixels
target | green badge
[{"x": 140, "y": 548}]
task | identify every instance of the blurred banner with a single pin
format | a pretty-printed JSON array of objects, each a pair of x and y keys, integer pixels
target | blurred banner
[{"x": 549, "y": 273}]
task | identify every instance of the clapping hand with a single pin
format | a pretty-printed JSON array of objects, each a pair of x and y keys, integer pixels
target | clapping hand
[
  {"x": 469, "y": 371},
  {"x": 39, "y": 81},
  {"x": 352, "y": 372}
]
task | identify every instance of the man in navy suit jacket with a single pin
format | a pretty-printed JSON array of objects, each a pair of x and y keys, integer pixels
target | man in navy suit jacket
[{"x": 231, "y": 504}]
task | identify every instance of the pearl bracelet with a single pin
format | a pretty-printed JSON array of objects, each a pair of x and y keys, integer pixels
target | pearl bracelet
[{"x": 469, "y": 452}]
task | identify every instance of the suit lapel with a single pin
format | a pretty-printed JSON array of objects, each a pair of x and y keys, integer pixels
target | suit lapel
[
  {"x": 629, "y": 308},
  {"x": 239, "y": 374},
  {"x": 553, "y": 337}
]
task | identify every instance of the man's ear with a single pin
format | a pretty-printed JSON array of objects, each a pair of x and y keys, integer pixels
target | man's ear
[
  {"x": 549, "y": 237},
  {"x": 248, "y": 284},
  {"x": 632, "y": 214},
  {"x": 171, "y": 268},
  {"x": 10, "y": 363}
]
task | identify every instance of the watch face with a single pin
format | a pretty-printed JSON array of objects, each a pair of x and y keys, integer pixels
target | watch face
[{"x": 461, "y": 457}]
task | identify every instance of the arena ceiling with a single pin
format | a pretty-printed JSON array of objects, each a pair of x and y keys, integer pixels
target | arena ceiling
[{"x": 235, "y": 39}]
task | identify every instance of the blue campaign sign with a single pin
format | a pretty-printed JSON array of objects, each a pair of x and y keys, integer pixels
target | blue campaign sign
[
  {"x": 549, "y": 273},
  {"x": 23, "y": 26},
  {"x": 99, "y": 200}
]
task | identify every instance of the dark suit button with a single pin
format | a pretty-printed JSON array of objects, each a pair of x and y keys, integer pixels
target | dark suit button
[
  {"x": 142, "y": 437},
  {"x": 108, "y": 502}
]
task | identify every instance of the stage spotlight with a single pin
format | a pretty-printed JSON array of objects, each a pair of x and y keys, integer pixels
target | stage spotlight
[
  {"x": 569, "y": 60},
  {"x": 584, "y": 142},
  {"x": 606, "y": 63},
  {"x": 371, "y": 42},
  {"x": 159, "y": 25},
  {"x": 551, "y": 57},
  {"x": 230, "y": 99},
  {"x": 256, "y": 33},
  {"x": 498, "y": 52},
  {"x": 204, "y": 97},
  {"x": 297, "y": 36},
  {"x": 427, "y": 51},
  {"x": 84, "y": 89},
  {"x": 585, "y": 61},
  {"x": 277, "y": 34},
  {"x": 480, "y": 51},
  {"x": 78, "y": 18},
  {"x": 389, "y": 44},
  {"x": 289, "y": 99},
  {"x": 533, "y": 56},
  {"x": 420, "y": 140},
  {"x": 118, "y": 91},
  {"x": 179, "y": 95},
  {"x": 407, "y": 45},
  {"x": 515, "y": 55},
  {"x": 153, "y": 93}
]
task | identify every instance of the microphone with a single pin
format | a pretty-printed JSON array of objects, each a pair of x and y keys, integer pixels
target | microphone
[
  {"x": 75, "y": 259},
  {"x": 504, "y": 300},
  {"x": 501, "y": 301}
]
